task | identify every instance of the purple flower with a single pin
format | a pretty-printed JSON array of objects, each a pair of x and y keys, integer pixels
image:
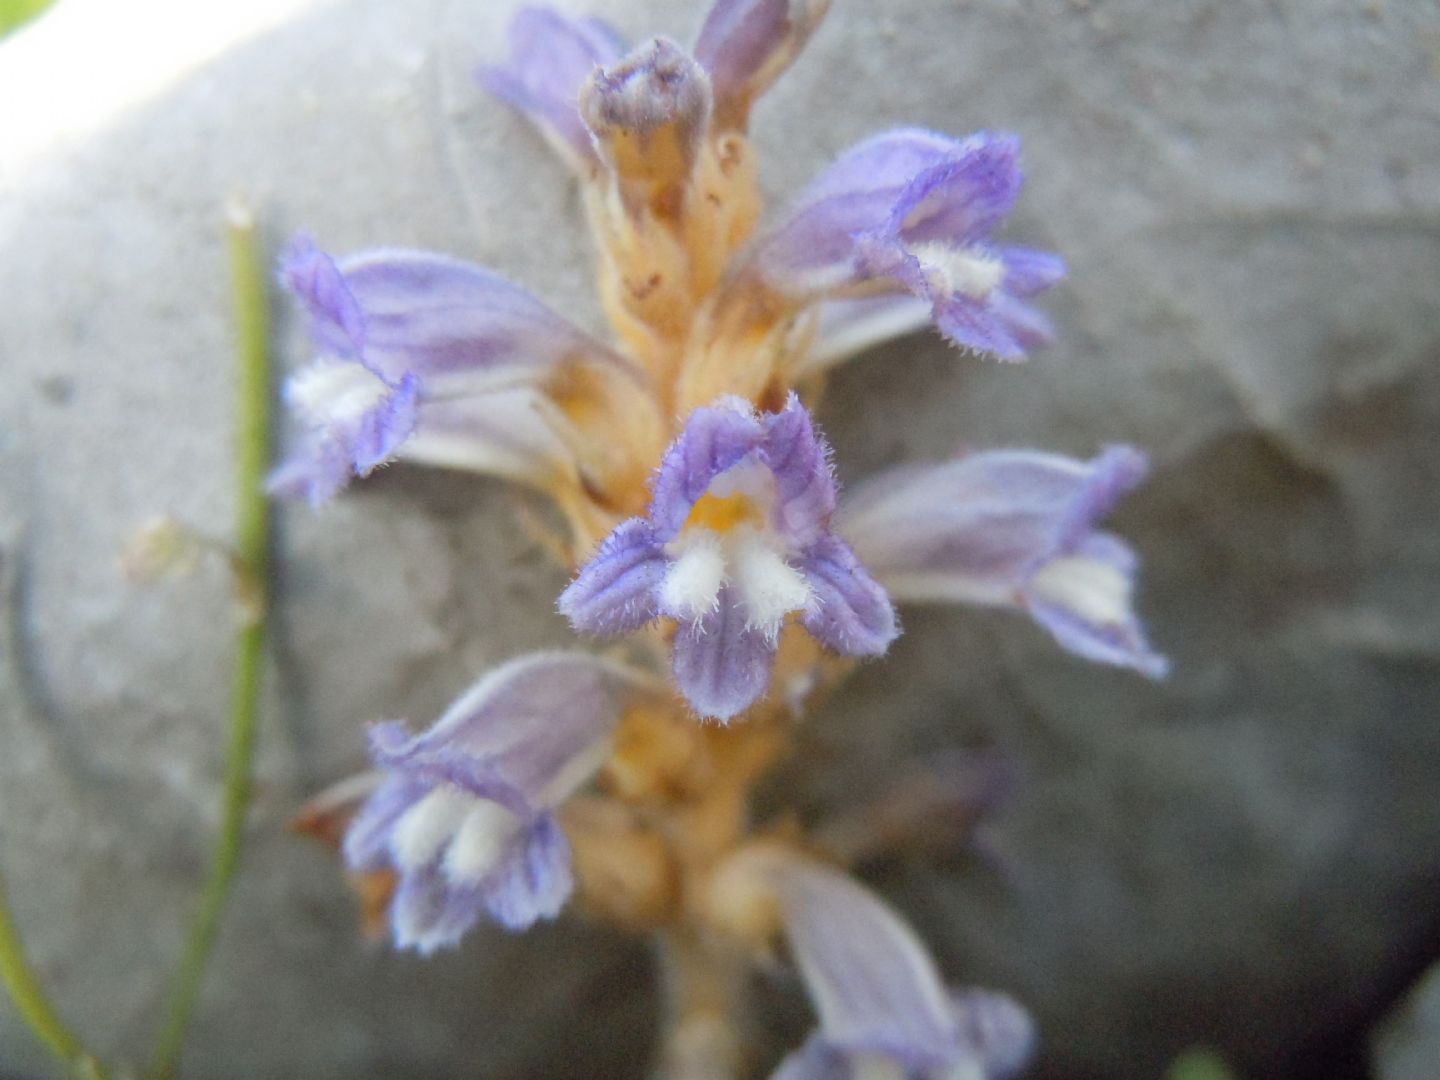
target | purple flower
[
  {"x": 464, "y": 814},
  {"x": 551, "y": 56},
  {"x": 738, "y": 538},
  {"x": 883, "y": 1008},
  {"x": 914, "y": 210},
  {"x": 429, "y": 359},
  {"x": 1012, "y": 528}
]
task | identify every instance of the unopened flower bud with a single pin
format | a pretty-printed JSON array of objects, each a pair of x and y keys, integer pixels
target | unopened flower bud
[
  {"x": 648, "y": 115},
  {"x": 161, "y": 548}
]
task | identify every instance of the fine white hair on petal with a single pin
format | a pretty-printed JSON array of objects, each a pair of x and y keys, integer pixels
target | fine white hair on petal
[
  {"x": 692, "y": 584},
  {"x": 960, "y": 270},
  {"x": 1094, "y": 590},
  {"x": 336, "y": 391},
  {"x": 480, "y": 842},
  {"x": 427, "y": 827},
  {"x": 769, "y": 587}
]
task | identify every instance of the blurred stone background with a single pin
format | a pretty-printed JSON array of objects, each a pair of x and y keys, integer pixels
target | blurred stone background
[{"x": 1248, "y": 195}]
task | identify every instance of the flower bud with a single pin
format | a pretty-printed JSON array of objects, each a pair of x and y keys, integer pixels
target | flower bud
[{"x": 648, "y": 115}]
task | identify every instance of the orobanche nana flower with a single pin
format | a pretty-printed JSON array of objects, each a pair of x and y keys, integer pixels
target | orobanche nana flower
[
  {"x": 705, "y": 536},
  {"x": 884, "y": 1011},
  {"x": 738, "y": 537}
]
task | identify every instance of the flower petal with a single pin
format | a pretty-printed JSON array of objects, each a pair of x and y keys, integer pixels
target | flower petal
[
  {"x": 814, "y": 249},
  {"x": 846, "y": 328},
  {"x": 459, "y": 328},
  {"x": 518, "y": 434},
  {"x": 996, "y": 1029},
  {"x": 964, "y": 199},
  {"x": 1029, "y": 272},
  {"x": 747, "y": 44},
  {"x": 799, "y": 460},
  {"x": 529, "y": 723},
  {"x": 366, "y": 845},
  {"x": 336, "y": 321},
  {"x": 849, "y": 611},
  {"x": 715, "y": 438},
  {"x": 354, "y": 419},
  {"x": 428, "y": 914},
  {"x": 535, "y": 881},
  {"x": 722, "y": 664},
  {"x": 872, "y": 981},
  {"x": 617, "y": 590},
  {"x": 1084, "y": 599},
  {"x": 816, "y": 1060},
  {"x": 551, "y": 56}
]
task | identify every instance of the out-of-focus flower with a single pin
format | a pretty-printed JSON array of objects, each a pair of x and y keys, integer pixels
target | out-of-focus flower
[
  {"x": 884, "y": 1010},
  {"x": 465, "y": 812},
  {"x": 914, "y": 210},
  {"x": 723, "y": 556},
  {"x": 429, "y": 359},
  {"x": 1011, "y": 528}
]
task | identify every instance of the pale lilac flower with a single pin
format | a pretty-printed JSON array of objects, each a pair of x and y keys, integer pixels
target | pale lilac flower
[
  {"x": 738, "y": 538},
  {"x": 884, "y": 1011},
  {"x": 429, "y": 359},
  {"x": 913, "y": 210},
  {"x": 1011, "y": 528},
  {"x": 465, "y": 813},
  {"x": 551, "y": 56}
]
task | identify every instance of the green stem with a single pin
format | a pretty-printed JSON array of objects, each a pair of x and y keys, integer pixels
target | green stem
[
  {"x": 252, "y": 527},
  {"x": 34, "y": 1007}
]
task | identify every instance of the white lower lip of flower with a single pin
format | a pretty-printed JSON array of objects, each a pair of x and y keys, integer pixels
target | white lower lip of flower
[
  {"x": 479, "y": 842},
  {"x": 959, "y": 270},
  {"x": 692, "y": 584},
  {"x": 427, "y": 826},
  {"x": 746, "y": 558},
  {"x": 769, "y": 587},
  {"x": 335, "y": 392},
  {"x": 1092, "y": 590}
]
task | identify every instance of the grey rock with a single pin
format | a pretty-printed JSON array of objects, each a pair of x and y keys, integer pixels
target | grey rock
[
  {"x": 1248, "y": 195},
  {"x": 1407, "y": 1044}
]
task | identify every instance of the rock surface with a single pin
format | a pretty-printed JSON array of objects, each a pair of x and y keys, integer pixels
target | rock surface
[
  {"x": 1248, "y": 195},
  {"x": 1407, "y": 1044}
]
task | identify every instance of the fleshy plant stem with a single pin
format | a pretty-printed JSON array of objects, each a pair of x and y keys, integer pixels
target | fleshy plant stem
[
  {"x": 703, "y": 984},
  {"x": 249, "y": 283}
]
